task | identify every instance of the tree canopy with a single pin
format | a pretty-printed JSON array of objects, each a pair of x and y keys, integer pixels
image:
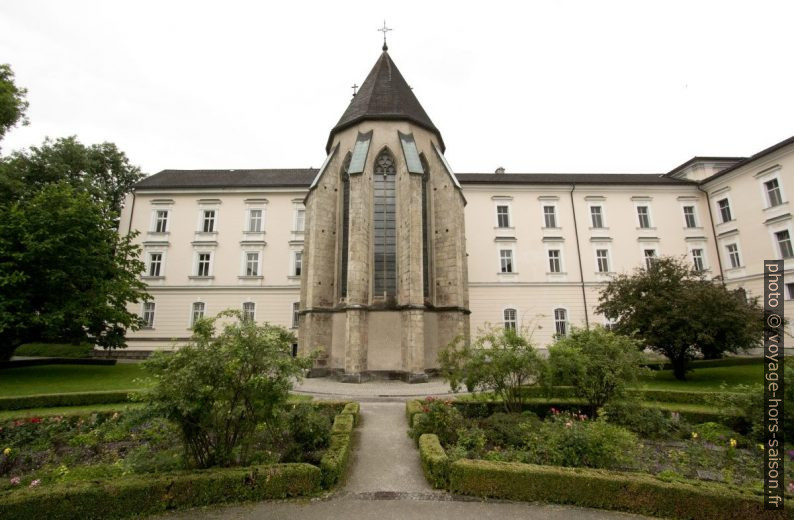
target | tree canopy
[
  {"x": 13, "y": 101},
  {"x": 65, "y": 272},
  {"x": 675, "y": 311}
]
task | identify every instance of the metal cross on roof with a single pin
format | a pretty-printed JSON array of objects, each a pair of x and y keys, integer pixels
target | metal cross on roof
[
  {"x": 384, "y": 30},
  {"x": 355, "y": 89}
]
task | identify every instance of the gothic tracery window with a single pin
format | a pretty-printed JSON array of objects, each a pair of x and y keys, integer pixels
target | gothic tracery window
[{"x": 385, "y": 228}]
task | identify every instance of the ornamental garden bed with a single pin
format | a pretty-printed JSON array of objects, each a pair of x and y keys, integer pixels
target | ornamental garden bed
[
  {"x": 116, "y": 464},
  {"x": 632, "y": 458}
]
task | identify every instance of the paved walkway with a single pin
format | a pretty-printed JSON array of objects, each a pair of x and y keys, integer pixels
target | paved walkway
[{"x": 386, "y": 480}]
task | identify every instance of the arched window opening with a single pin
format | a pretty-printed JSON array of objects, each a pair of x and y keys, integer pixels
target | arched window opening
[
  {"x": 425, "y": 230},
  {"x": 385, "y": 228},
  {"x": 345, "y": 225}
]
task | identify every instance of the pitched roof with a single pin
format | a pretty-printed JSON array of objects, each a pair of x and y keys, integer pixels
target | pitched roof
[
  {"x": 271, "y": 178},
  {"x": 762, "y": 153},
  {"x": 384, "y": 95},
  {"x": 570, "y": 178}
]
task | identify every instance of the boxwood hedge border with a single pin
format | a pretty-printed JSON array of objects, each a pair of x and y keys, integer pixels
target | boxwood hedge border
[{"x": 157, "y": 493}]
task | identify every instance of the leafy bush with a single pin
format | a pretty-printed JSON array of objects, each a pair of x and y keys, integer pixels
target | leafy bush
[
  {"x": 599, "y": 364},
  {"x": 651, "y": 423},
  {"x": 571, "y": 440},
  {"x": 500, "y": 360},
  {"x": 509, "y": 429},
  {"x": 440, "y": 418},
  {"x": 219, "y": 388}
]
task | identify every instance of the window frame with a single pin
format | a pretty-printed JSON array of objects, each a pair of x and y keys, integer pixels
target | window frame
[
  {"x": 779, "y": 188},
  {"x": 160, "y": 264},
  {"x": 729, "y": 255},
  {"x": 198, "y": 264},
  {"x": 299, "y": 217},
  {"x": 550, "y": 260},
  {"x": 512, "y": 260},
  {"x": 295, "y": 314},
  {"x": 246, "y": 262},
  {"x": 778, "y": 243},
  {"x": 245, "y": 312},
  {"x": 206, "y": 218},
  {"x": 695, "y": 220},
  {"x": 192, "y": 318},
  {"x": 607, "y": 258},
  {"x": 250, "y": 219},
  {"x": 648, "y": 260},
  {"x": 601, "y": 216},
  {"x": 565, "y": 321},
  {"x": 554, "y": 214},
  {"x": 508, "y": 323},
  {"x": 156, "y": 220},
  {"x": 729, "y": 208},
  {"x": 152, "y": 313},
  {"x": 647, "y": 207},
  {"x": 296, "y": 268},
  {"x": 506, "y": 216},
  {"x": 704, "y": 264}
]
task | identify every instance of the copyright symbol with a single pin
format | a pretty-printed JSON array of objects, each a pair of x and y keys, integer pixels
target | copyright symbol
[{"x": 773, "y": 320}]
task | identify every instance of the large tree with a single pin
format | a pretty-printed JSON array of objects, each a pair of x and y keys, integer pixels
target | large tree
[
  {"x": 680, "y": 314},
  {"x": 65, "y": 272},
  {"x": 101, "y": 170},
  {"x": 13, "y": 102}
]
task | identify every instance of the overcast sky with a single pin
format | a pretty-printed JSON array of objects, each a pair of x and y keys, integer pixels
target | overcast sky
[{"x": 553, "y": 86}]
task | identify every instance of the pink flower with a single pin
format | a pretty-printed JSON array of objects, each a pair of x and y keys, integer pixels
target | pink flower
[
  {"x": 35, "y": 420},
  {"x": 791, "y": 487},
  {"x": 35, "y": 483},
  {"x": 14, "y": 481}
]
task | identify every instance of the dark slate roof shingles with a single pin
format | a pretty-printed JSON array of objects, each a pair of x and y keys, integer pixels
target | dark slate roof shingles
[
  {"x": 302, "y": 178},
  {"x": 270, "y": 178},
  {"x": 384, "y": 95},
  {"x": 569, "y": 178}
]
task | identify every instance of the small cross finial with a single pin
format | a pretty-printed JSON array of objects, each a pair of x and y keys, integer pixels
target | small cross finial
[
  {"x": 384, "y": 30},
  {"x": 355, "y": 89}
]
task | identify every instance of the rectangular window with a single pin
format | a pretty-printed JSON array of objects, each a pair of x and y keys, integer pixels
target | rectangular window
[
  {"x": 644, "y": 217},
  {"x": 773, "y": 193},
  {"x": 689, "y": 216},
  {"x": 208, "y": 221},
  {"x": 295, "y": 314},
  {"x": 148, "y": 315},
  {"x": 249, "y": 311},
  {"x": 602, "y": 260},
  {"x": 790, "y": 291},
  {"x": 597, "y": 217},
  {"x": 161, "y": 221},
  {"x": 725, "y": 210},
  {"x": 203, "y": 264},
  {"x": 300, "y": 219},
  {"x": 650, "y": 256},
  {"x": 550, "y": 216},
  {"x": 503, "y": 216},
  {"x": 561, "y": 322},
  {"x": 506, "y": 260},
  {"x": 255, "y": 220},
  {"x": 252, "y": 263},
  {"x": 510, "y": 319},
  {"x": 697, "y": 259},
  {"x": 554, "y": 261},
  {"x": 298, "y": 263},
  {"x": 155, "y": 263},
  {"x": 733, "y": 255},
  {"x": 784, "y": 243},
  {"x": 198, "y": 312}
]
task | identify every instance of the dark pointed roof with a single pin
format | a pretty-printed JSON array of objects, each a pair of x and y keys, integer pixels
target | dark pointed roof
[{"x": 385, "y": 95}]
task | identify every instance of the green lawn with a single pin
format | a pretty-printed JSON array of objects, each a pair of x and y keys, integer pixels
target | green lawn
[
  {"x": 705, "y": 379},
  {"x": 56, "y": 379}
]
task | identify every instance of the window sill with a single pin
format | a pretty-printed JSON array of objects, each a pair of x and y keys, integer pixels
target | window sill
[
  {"x": 693, "y": 228},
  {"x": 556, "y": 273},
  {"x": 776, "y": 206},
  {"x": 201, "y": 277},
  {"x": 505, "y": 228},
  {"x": 147, "y": 277},
  {"x": 250, "y": 277},
  {"x": 294, "y": 276},
  {"x": 599, "y": 228},
  {"x": 652, "y": 228},
  {"x": 511, "y": 273},
  {"x": 556, "y": 228}
]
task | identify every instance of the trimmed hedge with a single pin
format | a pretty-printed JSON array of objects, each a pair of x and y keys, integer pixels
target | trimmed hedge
[
  {"x": 435, "y": 462},
  {"x": 412, "y": 407},
  {"x": 352, "y": 409},
  {"x": 335, "y": 459},
  {"x": 151, "y": 494},
  {"x": 61, "y": 350},
  {"x": 709, "y": 363},
  {"x": 20, "y": 363},
  {"x": 343, "y": 423},
  {"x": 633, "y": 493},
  {"x": 68, "y": 399}
]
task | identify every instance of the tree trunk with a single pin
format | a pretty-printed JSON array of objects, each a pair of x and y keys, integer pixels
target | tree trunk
[{"x": 680, "y": 366}]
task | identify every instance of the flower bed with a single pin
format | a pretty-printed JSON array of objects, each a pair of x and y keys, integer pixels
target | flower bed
[
  {"x": 140, "y": 459},
  {"x": 667, "y": 463}
]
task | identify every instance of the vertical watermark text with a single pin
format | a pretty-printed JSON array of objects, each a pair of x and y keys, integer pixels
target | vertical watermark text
[{"x": 773, "y": 385}]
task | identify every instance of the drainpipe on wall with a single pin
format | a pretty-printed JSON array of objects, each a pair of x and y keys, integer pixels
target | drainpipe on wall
[
  {"x": 713, "y": 233},
  {"x": 579, "y": 257},
  {"x": 132, "y": 210}
]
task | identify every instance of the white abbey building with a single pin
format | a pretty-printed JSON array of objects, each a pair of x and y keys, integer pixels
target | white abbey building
[{"x": 397, "y": 254}]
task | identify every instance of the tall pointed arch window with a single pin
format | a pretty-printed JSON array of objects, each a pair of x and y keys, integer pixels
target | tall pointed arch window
[
  {"x": 343, "y": 251},
  {"x": 385, "y": 226},
  {"x": 425, "y": 230}
]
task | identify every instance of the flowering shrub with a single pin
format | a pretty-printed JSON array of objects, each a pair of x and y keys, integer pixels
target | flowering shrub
[{"x": 438, "y": 417}]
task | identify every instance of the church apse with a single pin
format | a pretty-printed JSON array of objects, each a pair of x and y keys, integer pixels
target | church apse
[{"x": 384, "y": 285}]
